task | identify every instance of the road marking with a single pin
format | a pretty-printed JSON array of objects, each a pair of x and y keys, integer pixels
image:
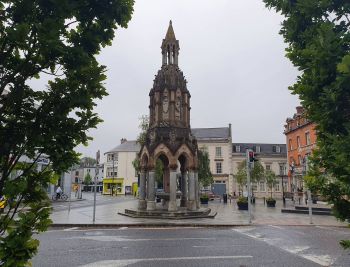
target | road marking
[
  {"x": 122, "y": 263},
  {"x": 71, "y": 229},
  {"x": 275, "y": 226},
  {"x": 102, "y": 238},
  {"x": 296, "y": 249},
  {"x": 323, "y": 260}
]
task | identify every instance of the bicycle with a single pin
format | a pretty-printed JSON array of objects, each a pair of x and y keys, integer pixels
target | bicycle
[{"x": 63, "y": 197}]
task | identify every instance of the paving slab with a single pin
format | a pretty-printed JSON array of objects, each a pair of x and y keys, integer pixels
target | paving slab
[{"x": 227, "y": 215}]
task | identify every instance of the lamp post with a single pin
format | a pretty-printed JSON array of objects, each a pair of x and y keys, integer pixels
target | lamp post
[
  {"x": 112, "y": 175},
  {"x": 282, "y": 176}
]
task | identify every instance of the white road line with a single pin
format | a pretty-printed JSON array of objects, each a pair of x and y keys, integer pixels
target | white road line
[
  {"x": 323, "y": 260},
  {"x": 122, "y": 263},
  {"x": 71, "y": 229},
  {"x": 275, "y": 226}
]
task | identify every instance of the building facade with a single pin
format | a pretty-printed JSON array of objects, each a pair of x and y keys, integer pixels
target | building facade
[
  {"x": 218, "y": 143},
  {"x": 120, "y": 176},
  {"x": 301, "y": 140},
  {"x": 272, "y": 157}
]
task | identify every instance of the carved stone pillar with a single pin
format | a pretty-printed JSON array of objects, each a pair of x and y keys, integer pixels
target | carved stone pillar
[
  {"x": 184, "y": 188},
  {"x": 191, "y": 203},
  {"x": 142, "y": 191},
  {"x": 172, "y": 196},
  {"x": 151, "y": 204},
  {"x": 196, "y": 189}
]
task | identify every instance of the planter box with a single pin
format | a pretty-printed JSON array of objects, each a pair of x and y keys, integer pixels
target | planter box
[
  {"x": 271, "y": 203},
  {"x": 204, "y": 201},
  {"x": 242, "y": 205}
]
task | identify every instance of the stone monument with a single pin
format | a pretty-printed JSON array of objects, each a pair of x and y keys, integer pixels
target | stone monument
[{"x": 169, "y": 139}]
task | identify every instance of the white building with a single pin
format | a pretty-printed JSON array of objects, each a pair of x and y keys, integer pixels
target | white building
[
  {"x": 119, "y": 172},
  {"x": 218, "y": 143}
]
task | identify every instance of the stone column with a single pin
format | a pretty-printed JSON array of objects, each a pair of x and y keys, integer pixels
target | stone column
[
  {"x": 184, "y": 186},
  {"x": 191, "y": 203},
  {"x": 142, "y": 191},
  {"x": 196, "y": 189},
  {"x": 151, "y": 204},
  {"x": 172, "y": 196}
]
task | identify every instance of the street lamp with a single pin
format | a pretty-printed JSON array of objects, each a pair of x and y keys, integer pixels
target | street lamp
[
  {"x": 112, "y": 174},
  {"x": 282, "y": 177}
]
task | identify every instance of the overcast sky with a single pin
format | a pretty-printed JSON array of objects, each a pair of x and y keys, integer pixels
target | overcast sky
[{"x": 232, "y": 57}]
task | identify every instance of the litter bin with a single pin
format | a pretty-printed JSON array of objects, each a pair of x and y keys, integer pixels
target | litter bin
[{"x": 224, "y": 196}]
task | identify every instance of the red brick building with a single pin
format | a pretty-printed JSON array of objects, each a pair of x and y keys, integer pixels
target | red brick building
[{"x": 301, "y": 140}]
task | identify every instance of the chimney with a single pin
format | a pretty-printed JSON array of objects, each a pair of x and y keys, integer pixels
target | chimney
[
  {"x": 300, "y": 110},
  {"x": 123, "y": 140},
  {"x": 229, "y": 128}
]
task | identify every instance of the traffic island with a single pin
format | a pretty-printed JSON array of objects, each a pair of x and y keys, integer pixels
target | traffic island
[{"x": 181, "y": 213}]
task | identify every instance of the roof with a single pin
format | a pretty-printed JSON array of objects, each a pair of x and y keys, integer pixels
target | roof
[
  {"x": 264, "y": 148},
  {"x": 170, "y": 35},
  {"x": 211, "y": 133},
  {"x": 127, "y": 146}
]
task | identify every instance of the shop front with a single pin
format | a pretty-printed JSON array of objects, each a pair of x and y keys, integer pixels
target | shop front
[{"x": 113, "y": 186}]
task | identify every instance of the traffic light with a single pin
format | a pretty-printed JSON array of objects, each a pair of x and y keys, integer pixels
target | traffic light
[{"x": 251, "y": 156}]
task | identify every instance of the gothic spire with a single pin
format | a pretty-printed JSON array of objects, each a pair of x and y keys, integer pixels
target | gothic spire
[
  {"x": 170, "y": 35},
  {"x": 170, "y": 47}
]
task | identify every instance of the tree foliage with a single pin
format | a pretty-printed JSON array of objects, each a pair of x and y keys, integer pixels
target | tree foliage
[
  {"x": 87, "y": 179},
  {"x": 159, "y": 172},
  {"x": 57, "y": 40},
  {"x": 205, "y": 176},
  {"x": 143, "y": 126},
  {"x": 270, "y": 178},
  {"x": 256, "y": 174},
  {"x": 318, "y": 35}
]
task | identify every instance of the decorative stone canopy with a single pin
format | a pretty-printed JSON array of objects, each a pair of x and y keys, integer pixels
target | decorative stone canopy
[{"x": 169, "y": 137}]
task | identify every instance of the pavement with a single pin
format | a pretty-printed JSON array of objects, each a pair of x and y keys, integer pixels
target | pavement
[{"x": 81, "y": 214}]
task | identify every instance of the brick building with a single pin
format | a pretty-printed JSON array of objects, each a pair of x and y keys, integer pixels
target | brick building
[{"x": 301, "y": 140}]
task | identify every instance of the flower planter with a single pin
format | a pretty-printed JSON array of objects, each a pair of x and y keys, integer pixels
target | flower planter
[
  {"x": 204, "y": 200},
  {"x": 271, "y": 203},
  {"x": 242, "y": 205}
]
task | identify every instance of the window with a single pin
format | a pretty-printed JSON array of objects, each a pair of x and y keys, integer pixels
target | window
[
  {"x": 298, "y": 141},
  {"x": 278, "y": 149},
  {"x": 254, "y": 186},
  {"x": 110, "y": 172},
  {"x": 290, "y": 145},
  {"x": 218, "y": 152},
  {"x": 238, "y": 148},
  {"x": 257, "y": 149},
  {"x": 267, "y": 167},
  {"x": 307, "y": 138},
  {"x": 262, "y": 187},
  {"x": 218, "y": 167},
  {"x": 277, "y": 187},
  {"x": 111, "y": 157},
  {"x": 282, "y": 172}
]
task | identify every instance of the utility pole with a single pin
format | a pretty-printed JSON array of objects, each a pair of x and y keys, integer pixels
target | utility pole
[{"x": 95, "y": 183}]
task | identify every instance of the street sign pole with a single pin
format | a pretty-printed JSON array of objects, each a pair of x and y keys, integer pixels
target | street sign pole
[
  {"x": 249, "y": 188},
  {"x": 95, "y": 183}
]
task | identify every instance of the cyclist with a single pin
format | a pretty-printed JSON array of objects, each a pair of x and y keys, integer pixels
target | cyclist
[{"x": 58, "y": 192}]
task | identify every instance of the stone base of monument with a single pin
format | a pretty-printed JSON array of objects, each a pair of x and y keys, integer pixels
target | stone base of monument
[{"x": 180, "y": 213}]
